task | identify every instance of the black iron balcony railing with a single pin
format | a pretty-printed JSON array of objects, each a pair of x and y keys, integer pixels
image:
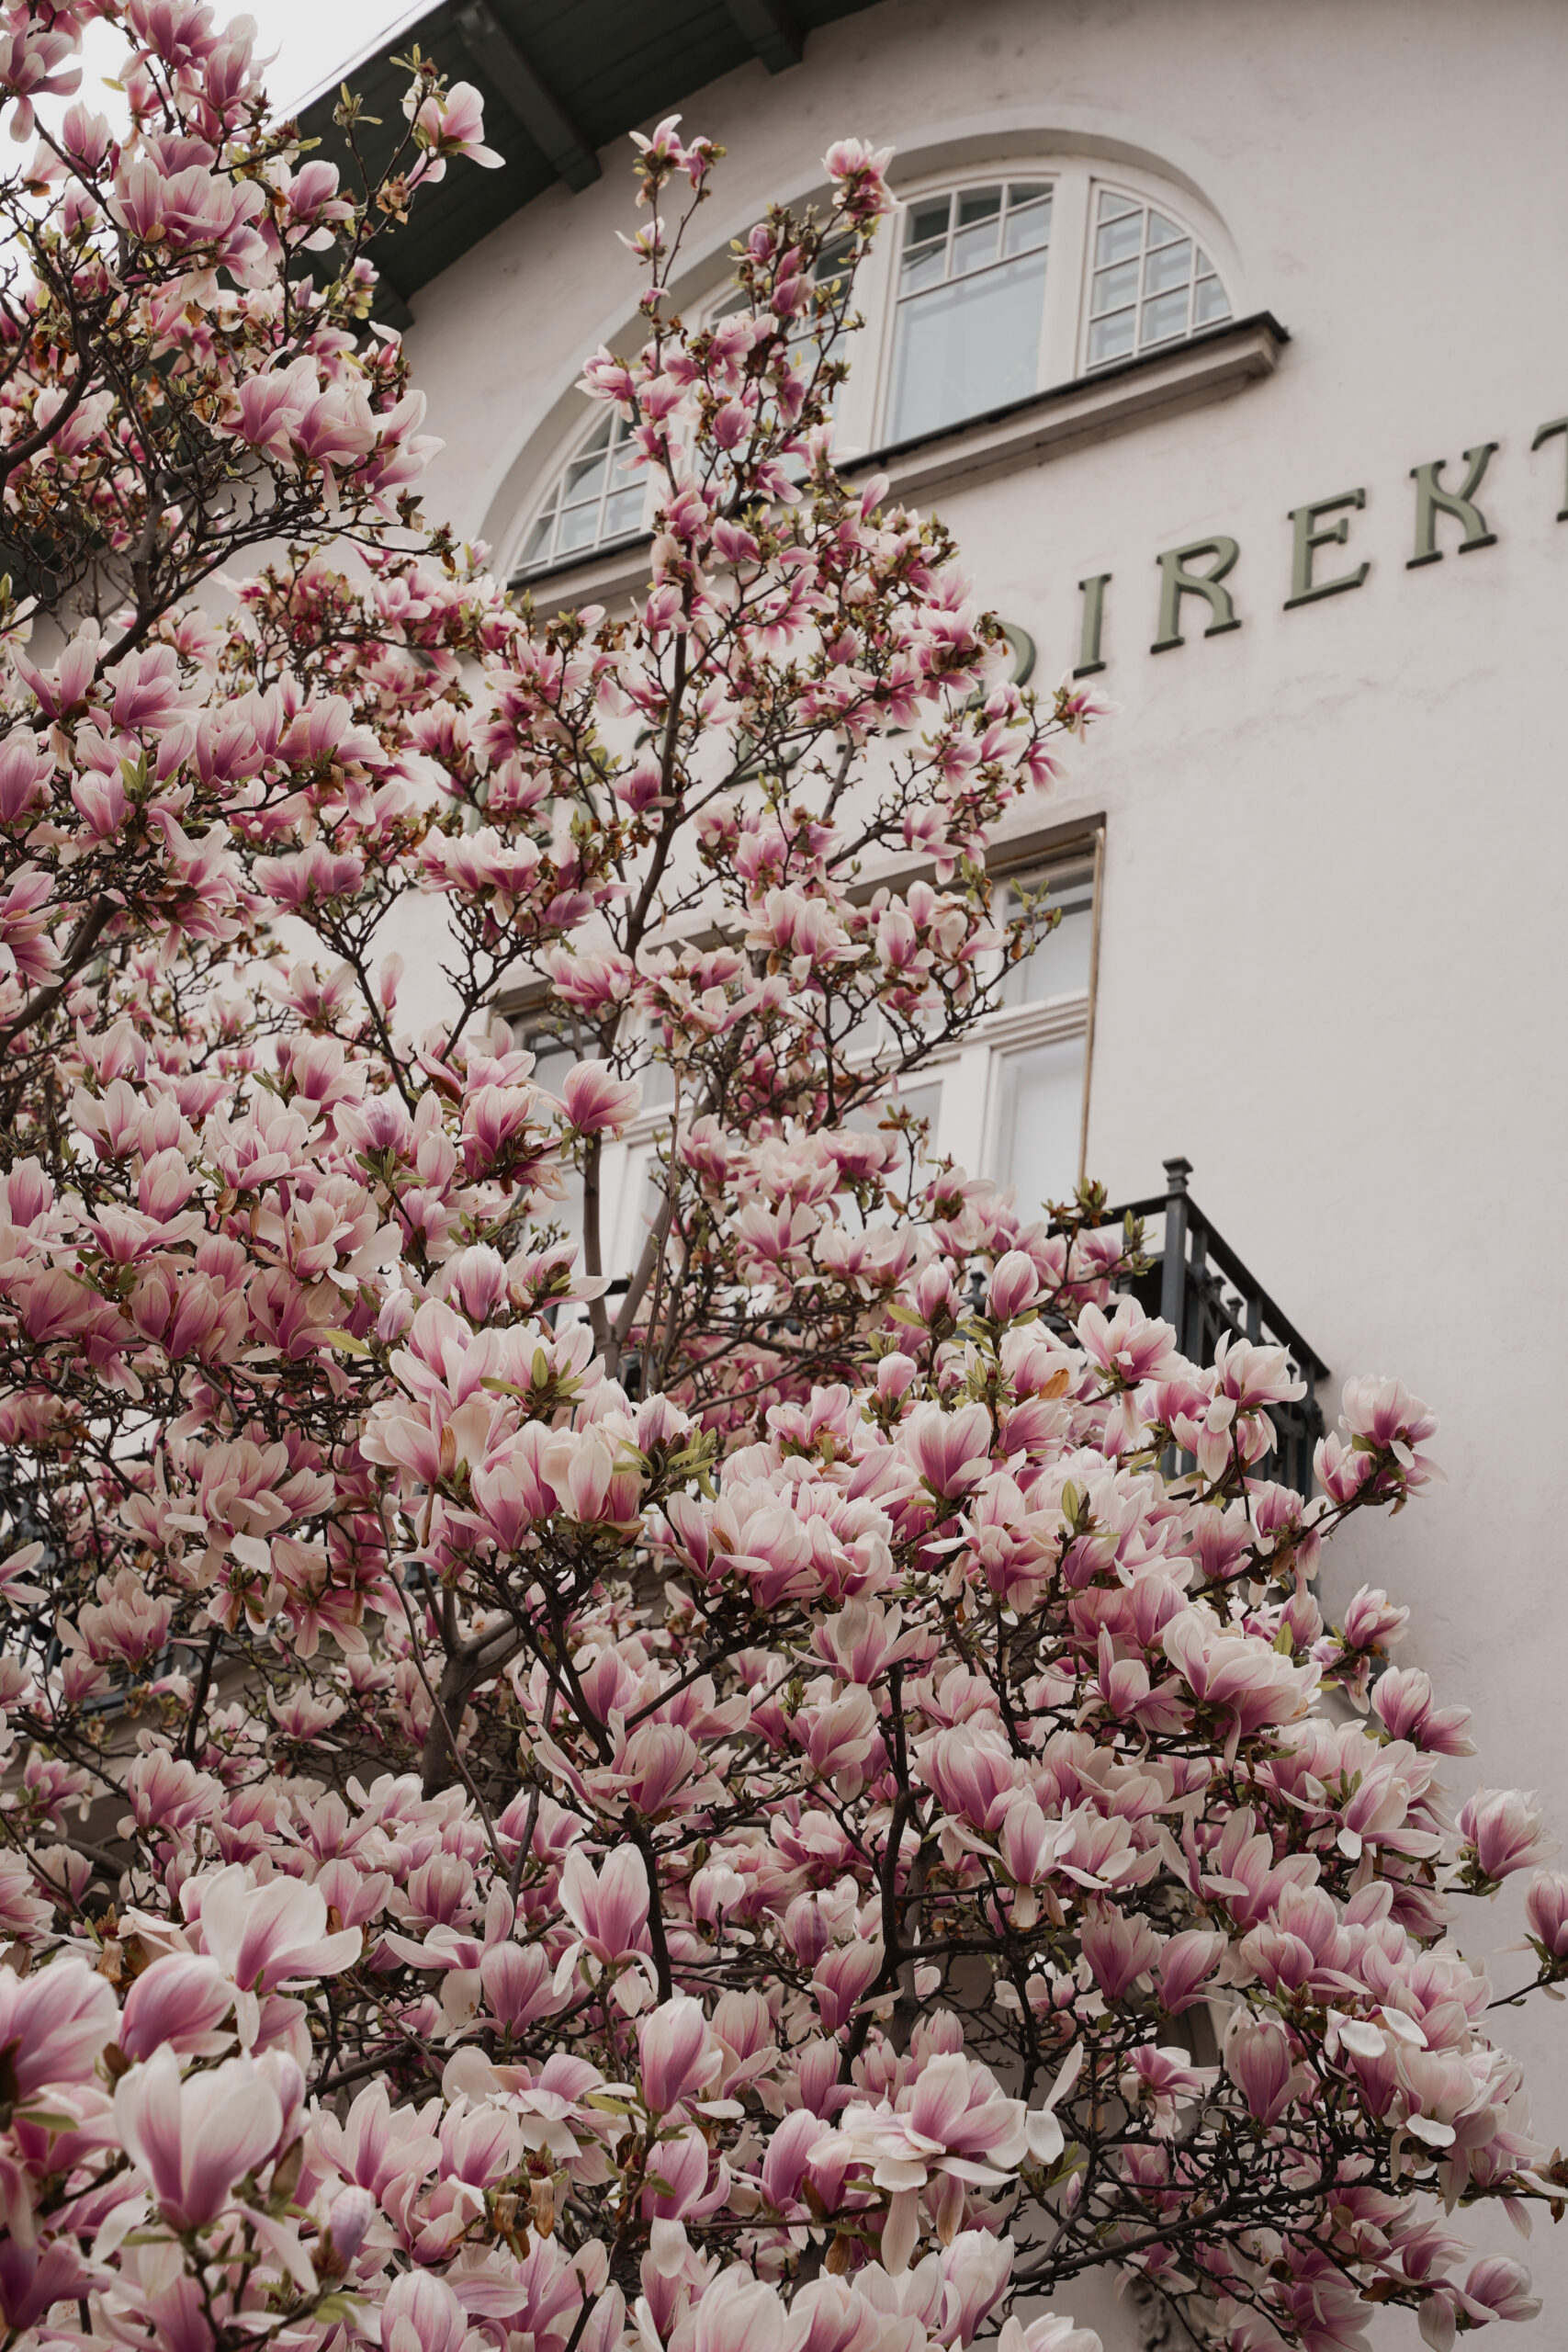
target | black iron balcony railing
[{"x": 1199, "y": 1284}]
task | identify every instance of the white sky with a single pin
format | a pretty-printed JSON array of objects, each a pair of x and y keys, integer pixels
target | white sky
[{"x": 312, "y": 40}]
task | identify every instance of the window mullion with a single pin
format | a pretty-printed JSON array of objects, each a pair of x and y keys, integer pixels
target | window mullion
[{"x": 1066, "y": 274}]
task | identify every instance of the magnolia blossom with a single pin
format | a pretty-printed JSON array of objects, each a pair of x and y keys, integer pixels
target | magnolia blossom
[{"x": 585, "y": 1792}]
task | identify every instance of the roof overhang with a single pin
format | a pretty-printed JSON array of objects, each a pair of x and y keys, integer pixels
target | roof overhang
[{"x": 560, "y": 86}]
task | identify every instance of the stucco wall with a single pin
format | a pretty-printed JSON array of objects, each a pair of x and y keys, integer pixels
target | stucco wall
[{"x": 1333, "y": 963}]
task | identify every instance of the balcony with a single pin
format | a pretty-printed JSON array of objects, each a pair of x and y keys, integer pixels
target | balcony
[{"x": 1201, "y": 1287}]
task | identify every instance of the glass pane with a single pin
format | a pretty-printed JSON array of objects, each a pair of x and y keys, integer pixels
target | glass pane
[
  {"x": 1109, "y": 338},
  {"x": 831, "y": 263},
  {"x": 584, "y": 479},
  {"x": 1114, "y": 288},
  {"x": 978, "y": 204},
  {"x": 623, "y": 511},
  {"x": 1210, "y": 303},
  {"x": 538, "y": 545},
  {"x": 920, "y": 1102},
  {"x": 967, "y": 347},
  {"x": 1042, "y": 1111},
  {"x": 1165, "y": 317},
  {"x": 1026, "y": 192},
  {"x": 974, "y": 247},
  {"x": 579, "y": 529},
  {"x": 922, "y": 268},
  {"x": 657, "y": 1086},
  {"x": 1027, "y": 227},
  {"x": 1118, "y": 239},
  {"x": 1059, "y": 966},
  {"x": 552, "y": 1064},
  {"x": 927, "y": 221},
  {"x": 1161, "y": 231},
  {"x": 1172, "y": 265},
  {"x": 1111, "y": 205}
]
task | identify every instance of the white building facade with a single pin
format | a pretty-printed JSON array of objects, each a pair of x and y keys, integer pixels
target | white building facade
[{"x": 1228, "y": 340}]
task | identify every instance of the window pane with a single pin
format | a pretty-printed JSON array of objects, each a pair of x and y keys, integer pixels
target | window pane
[
  {"x": 923, "y": 268},
  {"x": 584, "y": 480},
  {"x": 1165, "y": 317},
  {"x": 657, "y": 1086},
  {"x": 579, "y": 529},
  {"x": 1162, "y": 230},
  {"x": 1042, "y": 1111},
  {"x": 920, "y": 1102},
  {"x": 1210, "y": 303},
  {"x": 1172, "y": 265},
  {"x": 1114, "y": 288},
  {"x": 927, "y": 221},
  {"x": 832, "y": 263},
  {"x": 1118, "y": 240},
  {"x": 623, "y": 511},
  {"x": 1111, "y": 205},
  {"x": 1109, "y": 338},
  {"x": 967, "y": 347},
  {"x": 1059, "y": 966},
  {"x": 1027, "y": 226},
  {"x": 974, "y": 247},
  {"x": 1027, "y": 193},
  {"x": 538, "y": 545},
  {"x": 978, "y": 204}
]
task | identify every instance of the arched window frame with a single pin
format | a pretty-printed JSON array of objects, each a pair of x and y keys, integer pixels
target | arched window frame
[
  {"x": 863, "y": 406},
  {"x": 613, "y": 527},
  {"x": 866, "y": 405}
]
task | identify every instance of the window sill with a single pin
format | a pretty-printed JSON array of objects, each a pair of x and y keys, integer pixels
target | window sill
[{"x": 1207, "y": 367}]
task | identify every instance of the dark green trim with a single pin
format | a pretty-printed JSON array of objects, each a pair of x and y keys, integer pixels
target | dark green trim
[
  {"x": 773, "y": 31},
  {"x": 529, "y": 94},
  {"x": 1432, "y": 499},
  {"x": 1547, "y": 433},
  {"x": 563, "y": 82},
  {"x": 1308, "y": 539},
  {"x": 1176, "y": 582},
  {"x": 1093, "y": 591}
]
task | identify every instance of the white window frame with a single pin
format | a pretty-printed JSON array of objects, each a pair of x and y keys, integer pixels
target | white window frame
[
  {"x": 520, "y": 568},
  {"x": 971, "y": 1075},
  {"x": 1074, "y": 180}
]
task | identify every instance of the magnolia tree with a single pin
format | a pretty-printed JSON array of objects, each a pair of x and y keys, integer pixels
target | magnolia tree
[{"x": 799, "y": 1801}]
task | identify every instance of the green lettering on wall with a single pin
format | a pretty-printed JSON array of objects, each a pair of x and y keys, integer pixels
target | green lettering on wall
[
  {"x": 1306, "y": 541},
  {"x": 1432, "y": 500},
  {"x": 1558, "y": 424},
  {"x": 1176, "y": 582},
  {"x": 1093, "y": 592}
]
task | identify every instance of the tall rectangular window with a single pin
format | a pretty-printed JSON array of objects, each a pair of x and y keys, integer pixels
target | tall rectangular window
[{"x": 970, "y": 302}]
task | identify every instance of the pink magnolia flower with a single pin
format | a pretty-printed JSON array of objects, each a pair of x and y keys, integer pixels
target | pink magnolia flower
[
  {"x": 1502, "y": 1829},
  {"x": 194, "y": 2140},
  {"x": 596, "y": 1102},
  {"x": 32, "y": 2276},
  {"x": 950, "y": 1452},
  {"x": 1546, "y": 1911},
  {"x": 422, "y": 2313},
  {"x": 54, "y": 2024},
  {"x": 180, "y": 1999},
  {"x": 1258, "y": 2060},
  {"x": 266, "y": 1937},
  {"x": 609, "y": 1911}
]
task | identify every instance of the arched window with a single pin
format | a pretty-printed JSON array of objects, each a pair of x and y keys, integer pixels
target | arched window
[
  {"x": 1150, "y": 282},
  {"x": 987, "y": 290},
  {"x": 970, "y": 304},
  {"x": 1003, "y": 286},
  {"x": 594, "y": 502}
]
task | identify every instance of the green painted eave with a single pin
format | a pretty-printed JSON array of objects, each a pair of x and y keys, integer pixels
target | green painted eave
[{"x": 586, "y": 72}]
